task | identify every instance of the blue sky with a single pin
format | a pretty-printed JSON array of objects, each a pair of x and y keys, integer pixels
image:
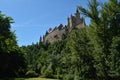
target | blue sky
[{"x": 33, "y": 17}]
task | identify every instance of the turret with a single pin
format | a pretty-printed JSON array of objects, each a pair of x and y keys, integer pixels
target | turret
[
  {"x": 77, "y": 14},
  {"x": 75, "y": 21}
]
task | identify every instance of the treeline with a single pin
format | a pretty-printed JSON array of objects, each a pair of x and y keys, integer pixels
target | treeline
[{"x": 91, "y": 53}]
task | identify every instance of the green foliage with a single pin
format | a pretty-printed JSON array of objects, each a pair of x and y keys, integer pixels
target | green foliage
[
  {"x": 81, "y": 58},
  {"x": 90, "y": 53},
  {"x": 31, "y": 73},
  {"x": 48, "y": 73},
  {"x": 114, "y": 63},
  {"x": 12, "y": 61},
  {"x": 68, "y": 77},
  {"x": 103, "y": 28}
]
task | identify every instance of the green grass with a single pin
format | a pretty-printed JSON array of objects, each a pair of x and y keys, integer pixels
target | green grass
[
  {"x": 29, "y": 79},
  {"x": 33, "y": 79}
]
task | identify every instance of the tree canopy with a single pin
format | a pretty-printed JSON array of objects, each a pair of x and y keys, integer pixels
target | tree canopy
[
  {"x": 90, "y": 53},
  {"x": 12, "y": 61}
]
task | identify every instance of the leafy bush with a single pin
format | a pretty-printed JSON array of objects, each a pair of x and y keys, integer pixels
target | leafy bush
[
  {"x": 48, "y": 74},
  {"x": 77, "y": 77},
  {"x": 31, "y": 73},
  {"x": 68, "y": 77}
]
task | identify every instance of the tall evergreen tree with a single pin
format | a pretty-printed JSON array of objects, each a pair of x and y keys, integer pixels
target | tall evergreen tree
[
  {"x": 103, "y": 27},
  {"x": 81, "y": 57}
]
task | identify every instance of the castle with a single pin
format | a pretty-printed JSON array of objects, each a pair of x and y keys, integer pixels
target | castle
[{"x": 74, "y": 22}]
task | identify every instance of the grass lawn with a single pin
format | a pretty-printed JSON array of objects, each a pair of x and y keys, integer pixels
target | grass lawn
[
  {"x": 29, "y": 79},
  {"x": 33, "y": 79}
]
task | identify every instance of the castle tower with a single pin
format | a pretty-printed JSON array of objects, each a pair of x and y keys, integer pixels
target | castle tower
[
  {"x": 71, "y": 21},
  {"x": 77, "y": 14},
  {"x": 77, "y": 17},
  {"x": 75, "y": 20}
]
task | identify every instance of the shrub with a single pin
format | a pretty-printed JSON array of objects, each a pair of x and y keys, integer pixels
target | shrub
[
  {"x": 48, "y": 74},
  {"x": 68, "y": 77},
  {"x": 31, "y": 73}
]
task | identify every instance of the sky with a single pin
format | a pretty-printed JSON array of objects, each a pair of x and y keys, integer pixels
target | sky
[{"x": 34, "y": 17}]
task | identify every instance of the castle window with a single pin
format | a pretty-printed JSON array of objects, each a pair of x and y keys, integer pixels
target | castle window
[{"x": 56, "y": 37}]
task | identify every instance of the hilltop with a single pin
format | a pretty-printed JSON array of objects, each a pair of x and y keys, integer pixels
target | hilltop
[{"x": 58, "y": 33}]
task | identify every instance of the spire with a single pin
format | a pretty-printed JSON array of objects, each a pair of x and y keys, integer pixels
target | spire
[
  {"x": 71, "y": 15},
  {"x": 77, "y": 14},
  {"x": 77, "y": 11}
]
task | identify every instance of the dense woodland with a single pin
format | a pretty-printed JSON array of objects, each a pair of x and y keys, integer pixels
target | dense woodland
[{"x": 91, "y": 53}]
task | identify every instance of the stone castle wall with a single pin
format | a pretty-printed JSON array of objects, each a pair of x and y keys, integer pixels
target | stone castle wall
[
  {"x": 54, "y": 35},
  {"x": 57, "y": 34}
]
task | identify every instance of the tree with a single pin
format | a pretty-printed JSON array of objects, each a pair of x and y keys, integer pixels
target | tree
[
  {"x": 12, "y": 61},
  {"x": 81, "y": 57},
  {"x": 114, "y": 62},
  {"x": 103, "y": 27}
]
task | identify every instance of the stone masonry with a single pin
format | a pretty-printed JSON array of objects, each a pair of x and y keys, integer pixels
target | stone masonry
[{"x": 74, "y": 22}]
